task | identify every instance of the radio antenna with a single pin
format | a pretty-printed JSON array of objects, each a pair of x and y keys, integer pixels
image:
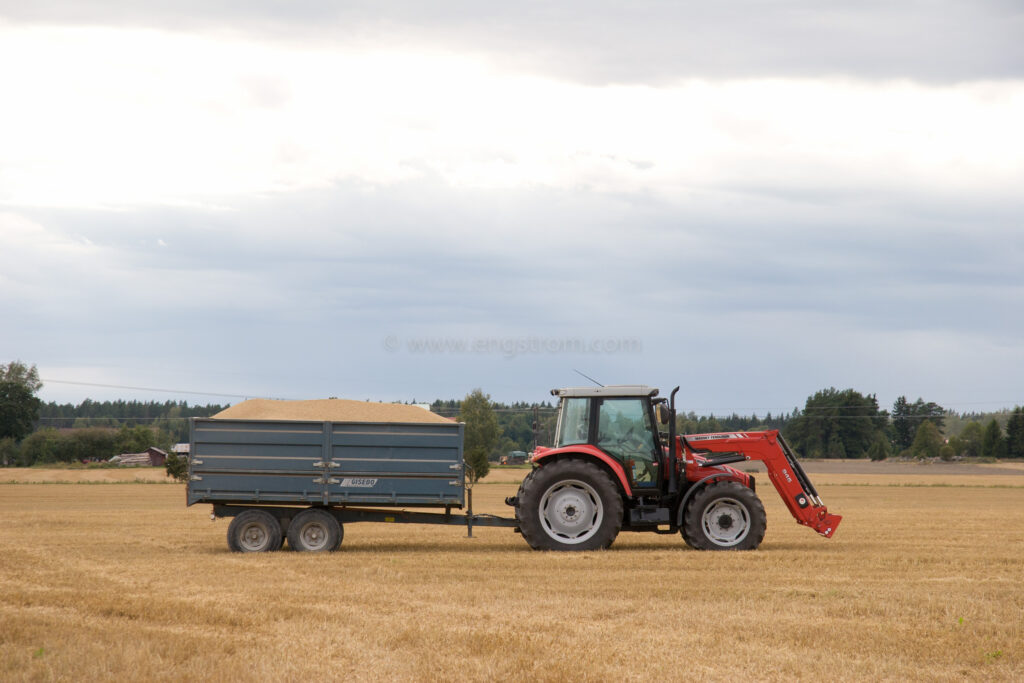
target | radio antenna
[{"x": 590, "y": 378}]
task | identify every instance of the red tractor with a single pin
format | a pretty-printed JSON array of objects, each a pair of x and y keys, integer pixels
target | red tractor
[{"x": 612, "y": 469}]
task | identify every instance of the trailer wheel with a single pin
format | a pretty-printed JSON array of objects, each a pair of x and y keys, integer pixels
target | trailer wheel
[
  {"x": 569, "y": 505},
  {"x": 315, "y": 530},
  {"x": 254, "y": 531},
  {"x": 724, "y": 516}
]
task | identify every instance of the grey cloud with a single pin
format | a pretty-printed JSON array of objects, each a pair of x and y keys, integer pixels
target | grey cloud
[
  {"x": 718, "y": 300},
  {"x": 606, "y": 41}
]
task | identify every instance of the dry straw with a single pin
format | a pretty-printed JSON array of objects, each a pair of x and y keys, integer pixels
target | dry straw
[{"x": 328, "y": 409}]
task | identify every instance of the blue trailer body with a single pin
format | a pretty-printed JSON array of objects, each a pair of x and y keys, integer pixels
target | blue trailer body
[{"x": 336, "y": 464}]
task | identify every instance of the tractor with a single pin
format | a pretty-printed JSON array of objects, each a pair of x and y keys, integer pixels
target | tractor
[{"x": 612, "y": 469}]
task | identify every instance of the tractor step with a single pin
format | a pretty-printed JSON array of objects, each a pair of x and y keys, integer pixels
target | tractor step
[{"x": 648, "y": 515}]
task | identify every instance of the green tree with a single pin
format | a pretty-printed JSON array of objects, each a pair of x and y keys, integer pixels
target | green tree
[
  {"x": 140, "y": 437},
  {"x": 836, "y": 449},
  {"x": 902, "y": 424},
  {"x": 91, "y": 443},
  {"x": 481, "y": 435},
  {"x": 992, "y": 442},
  {"x": 880, "y": 449},
  {"x": 927, "y": 441},
  {"x": 18, "y": 372},
  {"x": 907, "y": 417},
  {"x": 930, "y": 411},
  {"x": 1015, "y": 434},
  {"x": 19, "y": 407},
  {"x": 176, "y": 466},
  {"x": 8, "y": 452},
  {"x": 19, "y": 410},
  {"x": 832, "y": 417},
  {"x": 970, "y": 440},
  {"x": 40, "y": 447}
]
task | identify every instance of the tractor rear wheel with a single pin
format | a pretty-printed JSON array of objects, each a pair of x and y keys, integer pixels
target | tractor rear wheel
[
  {"x": 569, "y": 505},
  {"x": 724, "y": 516}
]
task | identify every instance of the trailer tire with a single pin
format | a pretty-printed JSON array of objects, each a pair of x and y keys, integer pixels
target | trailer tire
[
  {"x": 569, "y": 505},
  {"x": 314, "y": 531},
  {"x": 254, "y": 531},
  {"x": 724, "y": 515}
]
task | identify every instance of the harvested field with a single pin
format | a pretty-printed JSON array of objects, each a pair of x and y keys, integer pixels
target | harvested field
[
  {"x": 104, "y": 475},
  {"x": 921, "y": 582}
]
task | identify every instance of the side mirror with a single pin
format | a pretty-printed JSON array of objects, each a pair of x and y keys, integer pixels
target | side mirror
[{"x": 664, "y": 415}]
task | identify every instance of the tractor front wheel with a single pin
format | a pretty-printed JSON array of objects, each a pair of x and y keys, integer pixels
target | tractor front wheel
[
  {"x": 569, "y": 505},
  {"x": 724, "y": 516}
]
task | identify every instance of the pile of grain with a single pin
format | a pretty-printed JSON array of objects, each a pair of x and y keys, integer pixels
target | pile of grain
[{"x": 329, "y": 409}]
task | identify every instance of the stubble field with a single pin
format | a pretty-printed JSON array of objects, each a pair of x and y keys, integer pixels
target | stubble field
[{"x": 922, "y": 581}]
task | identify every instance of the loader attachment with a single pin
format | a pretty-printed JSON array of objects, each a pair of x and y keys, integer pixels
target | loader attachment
[
  {"x": 807, "y": 499},
  {"x": 784, "y": 471},
  {"x": 822, "y": 522}
]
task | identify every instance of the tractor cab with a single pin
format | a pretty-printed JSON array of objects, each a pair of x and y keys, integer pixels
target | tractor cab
[{"x": 620, "y": 422}]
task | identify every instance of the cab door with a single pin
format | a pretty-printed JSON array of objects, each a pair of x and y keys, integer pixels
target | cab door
[{"x": 626, "y": 432}]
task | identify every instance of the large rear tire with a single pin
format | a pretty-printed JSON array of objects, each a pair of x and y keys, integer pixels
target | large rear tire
[
  {"x": 254, "y": 531},
  {"x": 569, "y": 505},
  {"x": 724, "y": 516},
  {"x": 315, "y": 531}
]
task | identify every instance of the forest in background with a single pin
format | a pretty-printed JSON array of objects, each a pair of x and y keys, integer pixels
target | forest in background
[
  {"x": 97, "y": 430},
  {"x": 832, "y": 424}
]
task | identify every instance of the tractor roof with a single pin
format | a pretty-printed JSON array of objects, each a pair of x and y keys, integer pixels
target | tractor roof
[{"x": 614, "y": 390}]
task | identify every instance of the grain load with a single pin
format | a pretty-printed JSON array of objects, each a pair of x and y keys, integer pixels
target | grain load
[{"x": 328, "y": 410}]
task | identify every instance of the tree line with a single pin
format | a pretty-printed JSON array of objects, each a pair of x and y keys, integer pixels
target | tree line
[
  {"x": 832, "y": 424},
  {"x": 848, "y": 424}
]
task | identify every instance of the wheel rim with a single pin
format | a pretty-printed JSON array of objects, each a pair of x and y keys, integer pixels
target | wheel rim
[
  {"x": 254, "y": 537},
  {"x": 313, "y": 535},
  {"x": 571, "y": 511},
  {"x": 726, "y": 522}
]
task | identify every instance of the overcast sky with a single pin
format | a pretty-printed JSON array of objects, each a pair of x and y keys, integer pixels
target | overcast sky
[{"x": 395, "y": 201}]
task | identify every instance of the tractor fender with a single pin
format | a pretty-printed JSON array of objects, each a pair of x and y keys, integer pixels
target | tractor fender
[
  {"x": 697, "y": 487},
  {"x": 586, "y": 452}
]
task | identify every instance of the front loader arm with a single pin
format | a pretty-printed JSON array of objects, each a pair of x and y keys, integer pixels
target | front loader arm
[{"x": 784, "y": 471}]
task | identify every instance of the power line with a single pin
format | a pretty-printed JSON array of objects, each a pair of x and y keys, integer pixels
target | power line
[{"x": 166, "y": 391}]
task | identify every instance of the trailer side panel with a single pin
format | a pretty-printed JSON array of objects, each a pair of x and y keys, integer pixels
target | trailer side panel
[{"x": 278, "y": 462}]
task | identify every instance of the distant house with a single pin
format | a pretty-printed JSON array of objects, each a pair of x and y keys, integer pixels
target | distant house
[
  {"x": 151, "y": 457},
  {"x": 181, "y": 450}
]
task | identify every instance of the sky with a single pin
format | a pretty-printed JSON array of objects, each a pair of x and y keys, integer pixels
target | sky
[{"x": 209, "y": 201}]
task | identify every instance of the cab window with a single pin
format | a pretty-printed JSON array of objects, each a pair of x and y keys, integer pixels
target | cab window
[
  {"x": 624, "y": 430},
  {"x": 574, "y": 422}
]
